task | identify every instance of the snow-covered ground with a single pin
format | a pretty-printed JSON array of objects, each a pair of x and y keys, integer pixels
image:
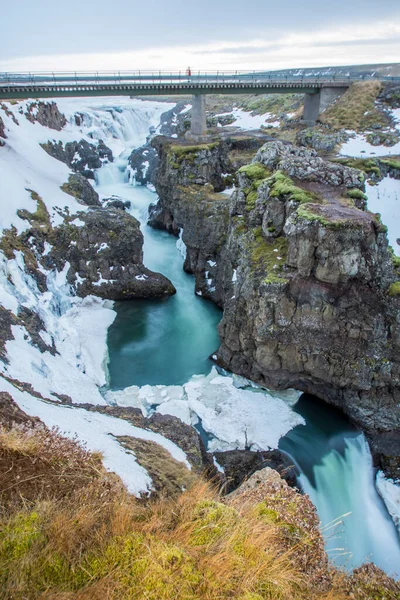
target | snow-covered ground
[
  {"x": 358, "y": 146},
  {"x": 246, "y": 120},
  {"x": 232, "y": 417},
  {"x": 384, "y": 198},
  {"x": 390, "y": 493}
]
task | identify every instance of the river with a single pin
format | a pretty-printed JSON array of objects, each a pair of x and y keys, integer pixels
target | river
[{"x": 169, "y": 341}]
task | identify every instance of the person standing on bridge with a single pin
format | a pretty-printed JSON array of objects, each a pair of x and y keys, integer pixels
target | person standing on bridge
[{"x": 188, "y": 72}]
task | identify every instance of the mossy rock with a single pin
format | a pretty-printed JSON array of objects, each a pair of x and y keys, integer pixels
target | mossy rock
[
  {"x": 283, "y": 187},
  {"x": 255, "y": 171},
  {"x": 394, "y": 289},
  {"x": 356, "y": 194},
  {"x": 268, "y": 258}
]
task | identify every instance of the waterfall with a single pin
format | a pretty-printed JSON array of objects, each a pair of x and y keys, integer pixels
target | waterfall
[
  {"x": 336, "y": 471},
  {"x": 344, "y": 485}
]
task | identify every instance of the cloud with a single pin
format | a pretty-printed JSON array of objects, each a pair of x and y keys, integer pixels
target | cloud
[{"x": 348, "y": 44}]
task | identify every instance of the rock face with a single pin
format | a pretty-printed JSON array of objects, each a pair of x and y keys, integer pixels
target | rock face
[
  {"x": 104, "y": 249},
  {"x": 2, "y": 131},
  {"x": 320, "y": 140},
  {"x": 81, "y": 157},
  {"x": 79, "y": 187},
  {"x": 239, "y": 465},
  {"x": 47, "y": 114},
  {"x": 306, "y": 165},
  {"x": 143, "y": 164},
  {"x": 304, "y": 276}
]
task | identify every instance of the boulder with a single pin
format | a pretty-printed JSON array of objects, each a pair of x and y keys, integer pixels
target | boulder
[
  {"x": 104, "y": 249},
  {"x": 79, "y": 187}
]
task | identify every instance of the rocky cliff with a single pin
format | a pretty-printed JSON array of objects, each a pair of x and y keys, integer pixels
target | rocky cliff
[{"x": 304, "y": 274}]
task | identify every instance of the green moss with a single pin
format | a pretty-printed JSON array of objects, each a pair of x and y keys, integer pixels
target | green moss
[
  {"x": 268, "y": 514},
  {"x": 283, "y": 186},
  {"x": 370, "y": 166},
  {"x": 391, "y": 163},
  {"x": 212, "y": 519},
  {"x": 356, "y": 194},
  {"x": 268, "y": 257},
  {"x": 40, "y": 218},
  {"x": 255, "y": 171},
  {"x": 307, "y": 213},
  {"x": 394, "y": 289},
  {"x": 178, "y": 154},
  {"x": 18, "y": 537}
]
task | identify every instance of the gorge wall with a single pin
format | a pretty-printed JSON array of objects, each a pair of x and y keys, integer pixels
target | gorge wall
[{"x": 303, "y": 271}]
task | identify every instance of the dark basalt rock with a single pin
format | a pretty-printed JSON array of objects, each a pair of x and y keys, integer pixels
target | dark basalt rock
[
  {"x": 385, "y": 448},
  {"x": 6, "y": 320},
  {"x": 47, "y": 114},
  {"x": 79, "y": 187},
  {"x": 143, "y": 163},
  {"x": 2, "y": 131},
  {"x": 116, "y": 202},
  {"x": 321, "y": 140},
  {"x": 11, "y": 414},
  {"x": 104, "y": 249},
  {"x": 34, "y": 325},
  {"x": 239, "y": 465},
  {"x": 81, "y": 157}
]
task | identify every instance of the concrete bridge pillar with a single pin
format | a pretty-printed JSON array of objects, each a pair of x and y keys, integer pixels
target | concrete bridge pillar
[
  {"x": 198, "y": 127},
  {"x": 316, "y": 103}
]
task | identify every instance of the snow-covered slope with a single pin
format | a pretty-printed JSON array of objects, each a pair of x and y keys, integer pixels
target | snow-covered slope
[
  {"x": 72, "y": 365},
  {"x": 74, "y": 328}
]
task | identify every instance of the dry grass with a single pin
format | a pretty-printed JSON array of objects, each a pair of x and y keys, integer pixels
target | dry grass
[
  {"x": 356, "y": 108},
  {"x": 88, "y": 539}
]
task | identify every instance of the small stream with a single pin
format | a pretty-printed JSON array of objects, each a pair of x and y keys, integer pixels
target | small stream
[{"x": 168, "y": 341}]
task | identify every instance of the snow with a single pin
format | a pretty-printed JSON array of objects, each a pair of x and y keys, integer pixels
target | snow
[
  {"x": 390, "y": 493},
  {"x": 78, "y": 327},
  {"x": 384, "y": 198},
  {"x": 358, "y": 146},
  {"x": 98, "y": 432},
  {"x": 228, "y": 191},
  {"x": 246, "y": 120},
  {"x": 78, "y": 222},
  {"x": 233, "y": 418},
  {"x": 180, "y": 244},
  {"x": 142, "y": 277}
]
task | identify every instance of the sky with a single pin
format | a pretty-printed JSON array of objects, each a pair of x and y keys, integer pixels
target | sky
[{"x": 206, "y": 34}]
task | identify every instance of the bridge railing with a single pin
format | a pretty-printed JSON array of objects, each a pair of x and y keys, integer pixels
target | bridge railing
[{"x": 75, "y": 78}]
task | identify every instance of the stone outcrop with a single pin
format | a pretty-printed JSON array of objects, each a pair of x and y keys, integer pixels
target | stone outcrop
[
  {"x": 306, "y": 165},
  {"x": 2, "y": 131},
  {"x": 47, "y": 114},
  {"x": 323, "y": 141},
  {"x": 79, "y": 187},
  {"x": 143, "y": 163},
  {"x": 239, "y": 465},
  {"x": 81, "y": 157},
  {"x": 116, "y": 202},
  {"x": 104, "y": 250},
  {"x": 304, "y": 274}
]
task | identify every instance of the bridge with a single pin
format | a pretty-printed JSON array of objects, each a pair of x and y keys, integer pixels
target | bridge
[{"x": 318, "y": 91}]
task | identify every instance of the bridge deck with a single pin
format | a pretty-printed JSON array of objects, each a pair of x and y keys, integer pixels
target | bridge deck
[{"x": 51, "y": 85}]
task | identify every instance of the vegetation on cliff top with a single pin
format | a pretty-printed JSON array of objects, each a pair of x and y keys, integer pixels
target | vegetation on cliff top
[
  {"x": 70, "y": 530},
  {"x": 356, "y": 109}
]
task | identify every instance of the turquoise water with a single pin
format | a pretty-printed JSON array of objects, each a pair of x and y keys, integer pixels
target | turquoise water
[{"x": 160, "y": 341}]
